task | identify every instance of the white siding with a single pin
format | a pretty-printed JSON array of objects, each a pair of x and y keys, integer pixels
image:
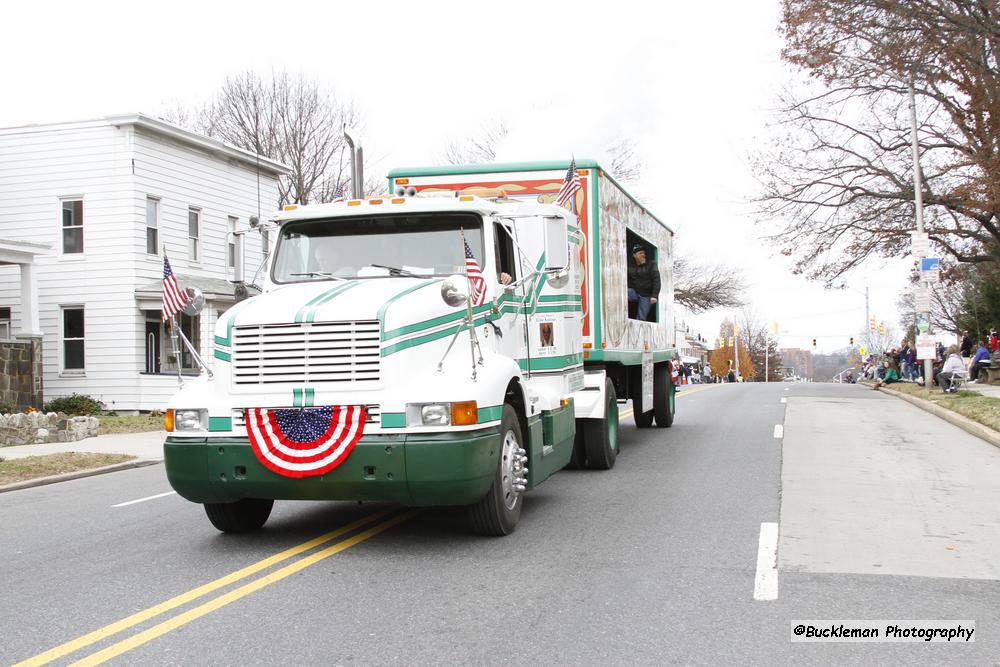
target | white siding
[{"x": 114, "y": 169}]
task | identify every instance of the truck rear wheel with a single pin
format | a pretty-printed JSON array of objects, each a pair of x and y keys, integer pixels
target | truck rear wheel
[
  {"x": 643, "y": 414},
  {"x": 497, "y": 513},
  {"x": 239, "y": 517},
  {"x": 600, "y": 436},
  {"x": 664, "y": 395}
]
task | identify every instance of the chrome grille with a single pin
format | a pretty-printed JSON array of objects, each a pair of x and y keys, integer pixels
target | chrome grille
[
  {"x": 373, "y": 415},
  {"x": 306, "y": 353}
]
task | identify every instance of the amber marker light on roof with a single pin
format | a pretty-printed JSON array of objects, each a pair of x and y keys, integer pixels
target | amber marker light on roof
[
  {"x": 466, "y": 198},
  {"x": 289, "y": 207},
  {"x": 374, "y": 201},
  {"x": 464, "y": 413},
  {"x": 402, "y": 181},
  {"x": 399, "y": 201},
  {"x": 354, "y": 202}
]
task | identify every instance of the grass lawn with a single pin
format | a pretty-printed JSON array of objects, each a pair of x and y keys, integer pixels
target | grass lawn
[
  {"x": 137, "y": 424},
  {"x": 32, "y": 467},
  {"x": 978, "y": 408}
]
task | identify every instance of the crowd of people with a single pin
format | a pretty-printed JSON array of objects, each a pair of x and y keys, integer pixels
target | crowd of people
[{"x": 902, "y": 364}]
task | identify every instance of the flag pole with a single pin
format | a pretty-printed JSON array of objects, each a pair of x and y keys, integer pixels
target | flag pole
[{"x": 473, "y": 342}]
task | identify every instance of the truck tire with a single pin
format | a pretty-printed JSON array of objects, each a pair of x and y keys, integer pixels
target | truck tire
[
  {"x": 643, "y": 414},
  {"x": 600, "y": 436},
  {"x": 664, "y": 395},
  {"x": 496, "y": 514},
  {"x": 239, "y": 517}
]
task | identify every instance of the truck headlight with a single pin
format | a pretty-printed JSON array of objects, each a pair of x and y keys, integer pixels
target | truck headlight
[
  {"x": 190, "y": 420},
  {"x": 463, "y": 413}
]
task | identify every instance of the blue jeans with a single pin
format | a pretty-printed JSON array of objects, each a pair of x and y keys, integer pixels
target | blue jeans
[{"x": 643, "y": 304}]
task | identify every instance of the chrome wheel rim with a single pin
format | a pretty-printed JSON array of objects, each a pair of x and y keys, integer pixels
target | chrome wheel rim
[{"x": 509, "y": 465}]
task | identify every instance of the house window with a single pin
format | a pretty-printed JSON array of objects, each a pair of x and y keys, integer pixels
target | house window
[
  {"x": 152, "y": 226},
  {"x": 194, "y": 228},
  {"x": 72, "y": 338},
  {"x": 4, "y": 323},
  {"x": 153, "y": 337},
  {"x": 232, "y": 241},
  {"x": 72, "y": 226}
]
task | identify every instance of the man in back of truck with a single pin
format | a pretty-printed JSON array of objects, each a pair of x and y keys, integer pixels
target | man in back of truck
[{"x": 643, "y": 282}]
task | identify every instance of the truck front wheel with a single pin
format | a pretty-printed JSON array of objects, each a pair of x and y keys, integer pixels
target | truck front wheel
[
  {"x": 496, "y": 514},
  {"x": 600, "y": 436},
  {"x": 239, "y": 517}
]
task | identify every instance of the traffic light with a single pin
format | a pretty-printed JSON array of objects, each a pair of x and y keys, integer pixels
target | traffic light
[
  {"x": 852, "y": 341},
  {"x": 874, "y": 326},
  {"x": 814, "y": 342},
  {"x": 731, "y": 342}
]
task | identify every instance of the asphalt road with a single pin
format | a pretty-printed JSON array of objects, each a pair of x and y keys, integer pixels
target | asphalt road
[{"x": 649, "y": 563}]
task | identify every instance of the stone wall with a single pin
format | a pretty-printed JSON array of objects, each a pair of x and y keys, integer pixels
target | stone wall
[
  {"x": 26, "y": 429},
  {"x": 21, "y": 373}
]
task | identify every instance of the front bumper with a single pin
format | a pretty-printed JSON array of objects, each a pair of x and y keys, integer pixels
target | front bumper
[{"x": 410, "y": 469}]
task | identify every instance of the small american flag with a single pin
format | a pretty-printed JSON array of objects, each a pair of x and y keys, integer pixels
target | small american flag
[
  {"x": 476, "y": 280},
  {"x": 570, "y": 185},
  {"x": 173, "y": 298},
  {"x": 339, "y": 194}
]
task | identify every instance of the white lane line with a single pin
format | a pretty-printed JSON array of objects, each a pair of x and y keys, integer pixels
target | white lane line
[
  {"x": 142, "y": 500},
  {"x": 787, "y": 388},
  {"x": 779, "y": 431},
  {"x": 765, "y": 583},
  {"x": 784, "y": 400}
]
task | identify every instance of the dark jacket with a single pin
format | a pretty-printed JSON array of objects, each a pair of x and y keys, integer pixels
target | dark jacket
[
  {"x": 644, "y": 279},
  {"x": 966, "y": 346}
]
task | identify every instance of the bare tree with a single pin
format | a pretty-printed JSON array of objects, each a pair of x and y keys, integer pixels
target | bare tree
[
  {"x": 838, "y": 181},
  {"x": 760, "y": 344},
  {"x": 703, "y": 287},
  {"x": 479, "y": 148},
  {"x": 288, "y": 118},
  {"x": 626, "y": 166}
]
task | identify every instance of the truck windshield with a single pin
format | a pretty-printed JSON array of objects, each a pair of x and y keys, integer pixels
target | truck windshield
[{"x": 376, "y": 246}]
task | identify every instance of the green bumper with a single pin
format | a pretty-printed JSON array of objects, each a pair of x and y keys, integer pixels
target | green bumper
[{"x": 416, "y": 470}]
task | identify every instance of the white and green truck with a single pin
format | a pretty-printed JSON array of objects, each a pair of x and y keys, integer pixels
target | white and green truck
[{"x": 454, "y": 343}]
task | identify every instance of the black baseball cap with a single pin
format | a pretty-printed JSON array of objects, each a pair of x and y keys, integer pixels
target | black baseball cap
[{"x": 637, "y": 247}]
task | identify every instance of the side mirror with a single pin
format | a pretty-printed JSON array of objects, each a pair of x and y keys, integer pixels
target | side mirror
[{"x": 556, "y": 243}]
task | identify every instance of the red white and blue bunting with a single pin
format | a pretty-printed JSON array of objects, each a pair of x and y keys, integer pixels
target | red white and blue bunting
[{"x": 303, "y": 442}]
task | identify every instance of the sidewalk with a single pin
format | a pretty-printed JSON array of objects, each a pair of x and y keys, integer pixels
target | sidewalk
[
  {"x": 991, "y": 390},
  {"x": 145, "y": 446}
]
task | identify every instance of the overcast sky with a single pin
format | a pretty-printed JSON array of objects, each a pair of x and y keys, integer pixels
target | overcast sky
[{"x": 692, "y": 83}]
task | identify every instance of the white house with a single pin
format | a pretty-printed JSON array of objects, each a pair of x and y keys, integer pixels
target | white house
[{"x": 110, "y": 196}]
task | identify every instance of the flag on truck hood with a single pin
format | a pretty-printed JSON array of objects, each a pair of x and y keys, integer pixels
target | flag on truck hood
[
  {"x": 476, "y": 280},
  {"x": 303, "y": 442},
  {"x": 173, "y": 298},
  {"x": 570, "y": 184}
]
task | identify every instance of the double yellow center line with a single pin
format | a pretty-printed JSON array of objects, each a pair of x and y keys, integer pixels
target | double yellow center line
[{"x": 395, "y": 516}]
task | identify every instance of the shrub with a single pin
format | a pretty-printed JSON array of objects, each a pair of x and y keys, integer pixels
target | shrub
[
  {"x": 75, "y": 404},
  {"x": 7, "y": 409}
]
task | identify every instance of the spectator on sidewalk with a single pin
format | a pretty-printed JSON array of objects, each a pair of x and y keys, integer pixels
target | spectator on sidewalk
[
  {"x": 889, "y": 375},
  {"x": 966, "y": 345},
  {"x": 993, "y": 343},
  {"x": 982, "y": 356},
  {"x": 952, "y": 366}
]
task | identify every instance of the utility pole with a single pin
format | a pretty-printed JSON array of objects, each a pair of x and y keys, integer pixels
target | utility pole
[
  {"x": 868, "y": 319},
  {"x": 918, "y": 200}
]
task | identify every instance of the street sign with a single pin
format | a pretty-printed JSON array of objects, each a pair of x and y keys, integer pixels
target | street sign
[
  {"x": 923, "y": 325},
  {"x": 925, "y": 346},
  {"x": 922, "y": 299},
  {"x": 930, "y": 264},
  {"x": 919, "y": 243}
]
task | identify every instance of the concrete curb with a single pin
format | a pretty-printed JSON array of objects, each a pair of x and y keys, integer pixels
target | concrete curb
[
  {"x": 79, "y": 474},
  {"x": 964, "y": 423}
]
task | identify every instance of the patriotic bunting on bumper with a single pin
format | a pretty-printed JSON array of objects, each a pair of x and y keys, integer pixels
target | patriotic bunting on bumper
[{"x": 303, "y": 442}]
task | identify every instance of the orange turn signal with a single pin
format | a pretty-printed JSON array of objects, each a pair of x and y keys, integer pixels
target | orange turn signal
[
  {"x": 168, "y": 421},
  {"x": 464, "y": 413},
  {"x": 588, "y": 346}
]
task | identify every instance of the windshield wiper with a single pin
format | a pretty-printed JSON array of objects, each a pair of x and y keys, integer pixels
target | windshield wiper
[
  {"x": 396, "y": 271},
  {"x": 320, "y": 274}
]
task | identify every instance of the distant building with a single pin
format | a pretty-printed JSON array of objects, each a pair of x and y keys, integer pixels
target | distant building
[
  {"x": 109, "y": 196},
  {"x": 800, "y": 361}
]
